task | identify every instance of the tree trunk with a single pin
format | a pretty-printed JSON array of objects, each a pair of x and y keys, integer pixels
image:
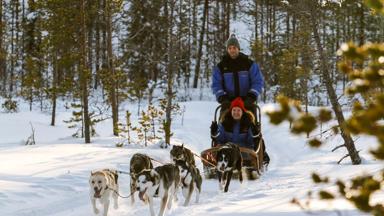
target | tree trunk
[
  {"x": 227, "y": 20},
  {"x": 361, "y": 26},
  {"x": 199, "y": 52},
  {"x": 23, "y": 18},
  {"x": 84, "y": 72},
  {"x": 170, "y": 71},
  {"x": 190, "y": 41},
  {"x": 89, "y": 24},
  {"x": 2, "y": 51},
  {"x": 262, "y": 59},
  {"x": 11, "y": 71},
  {"x": 111, "y": 69},
  {"x": 54, "y": 89},
  {"x": 104, "y": 42},
  {"x": 17, "y": 45},
  {"x": 354, "y": 155},
  {"x": 255, "y": 16},
  {"x": 287, "y": 29},
  {"x": 97, "y": 48}
]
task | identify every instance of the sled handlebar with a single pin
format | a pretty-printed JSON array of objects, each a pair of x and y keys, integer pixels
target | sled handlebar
[
  {"x": 217, "y": 109},
  {"x": 258, "y": 111}
]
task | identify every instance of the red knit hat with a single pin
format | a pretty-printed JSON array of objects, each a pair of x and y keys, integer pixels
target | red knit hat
[{"x": 238, "y": 102}]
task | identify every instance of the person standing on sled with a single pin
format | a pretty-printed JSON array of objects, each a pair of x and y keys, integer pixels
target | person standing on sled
[
  {"x": 236, "y": 76},
  {"x": 237, "y": 126}
]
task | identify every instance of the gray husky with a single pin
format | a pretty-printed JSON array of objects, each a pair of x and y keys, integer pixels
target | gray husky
[
  {"x": 164, "y": 178},
  {"x": 190, "y": 179}
]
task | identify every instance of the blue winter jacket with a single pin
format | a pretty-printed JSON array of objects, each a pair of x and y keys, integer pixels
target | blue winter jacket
[
  {"x": 235, "y": 136},
  {"x": 237, "y": 77}
]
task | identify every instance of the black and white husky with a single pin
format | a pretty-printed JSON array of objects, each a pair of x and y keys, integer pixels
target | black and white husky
[
  {"x": 164, "y": 178},
  {"x": 103, "y": 184},
  {"x": 228, "y": 159},
  {"x": 190, "y": 180}
]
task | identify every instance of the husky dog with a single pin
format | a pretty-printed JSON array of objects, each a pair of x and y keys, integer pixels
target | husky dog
[
  {"x": 190, "y": 180},
  {"x": 139, "y": 162},
  {"x": 228, "y": 159},
  {"x": 103, "y": 185},
  {"x": 164, "y": 178},
  {"x": 182, "y": 153}
]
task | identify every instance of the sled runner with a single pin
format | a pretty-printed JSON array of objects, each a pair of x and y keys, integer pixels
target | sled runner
[{"x": 252, "y": 158}]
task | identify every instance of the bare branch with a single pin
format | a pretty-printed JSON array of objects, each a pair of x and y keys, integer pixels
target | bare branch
[
  {"x": 345, "y": 156},
  {"x": 337, "y": 147}
]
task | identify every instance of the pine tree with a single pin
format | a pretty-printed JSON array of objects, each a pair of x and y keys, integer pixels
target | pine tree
[
  {"x": 363, "y": 65},
  {"x": 33, "y": 80},
  {"x": 144, "y": 47},
  {"x": 61, "y": 46},
  {"x": 348, "y": 141}
]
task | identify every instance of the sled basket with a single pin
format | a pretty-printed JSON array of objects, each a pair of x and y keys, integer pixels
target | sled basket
[{"x": 251, "y": 168}]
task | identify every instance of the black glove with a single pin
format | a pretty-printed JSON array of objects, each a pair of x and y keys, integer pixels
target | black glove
[
  {"x": 249, "y": 101},
  {"x": 223, "y": 99},
  {"x": 214, "y": 128},
  {"x": 251, "y": 97},
  {"x": 254, "y": 130}
]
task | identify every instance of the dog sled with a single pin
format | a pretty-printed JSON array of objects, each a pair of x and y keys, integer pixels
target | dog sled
[{"x": 252, "y": 158}]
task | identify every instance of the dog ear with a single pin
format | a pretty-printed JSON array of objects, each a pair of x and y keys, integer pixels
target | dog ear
[{"x": 182, "y": 146}]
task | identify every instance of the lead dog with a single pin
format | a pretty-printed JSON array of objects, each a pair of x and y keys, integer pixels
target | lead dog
[
  {"x": 139, "y": 162},
  {"x": 228, "y": 159},
  {"x": 190, "y": 179},
  {"x": 164, "y": 178},
  {"x": 182, "y": 153},
  {"x": 103, "y": 185}
]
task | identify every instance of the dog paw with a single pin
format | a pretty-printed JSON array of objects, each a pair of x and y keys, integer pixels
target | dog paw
[{"x": 96, "y": 211}]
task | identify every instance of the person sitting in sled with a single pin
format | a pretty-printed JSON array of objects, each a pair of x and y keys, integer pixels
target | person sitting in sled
[{"x": 237, "y": 125}]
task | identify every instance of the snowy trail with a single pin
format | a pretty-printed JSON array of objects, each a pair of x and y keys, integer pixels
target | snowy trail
[{"x": 51, "y": 178}]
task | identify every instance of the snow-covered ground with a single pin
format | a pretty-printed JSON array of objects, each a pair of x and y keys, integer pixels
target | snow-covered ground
[{"x": 51, "y": 177}]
